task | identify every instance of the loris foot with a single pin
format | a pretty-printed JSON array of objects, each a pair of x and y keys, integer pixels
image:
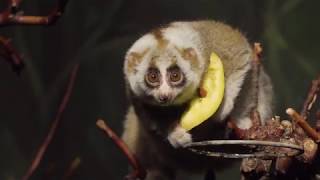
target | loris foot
[{"x": 179, "y": 137}]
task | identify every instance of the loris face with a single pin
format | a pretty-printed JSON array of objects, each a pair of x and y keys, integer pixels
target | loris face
[
  {"x": 165, "y": 75},
  {"x": 163, "y": 85}
]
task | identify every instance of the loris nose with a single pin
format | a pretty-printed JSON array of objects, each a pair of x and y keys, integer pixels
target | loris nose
[{"x": 163, "y": 98}]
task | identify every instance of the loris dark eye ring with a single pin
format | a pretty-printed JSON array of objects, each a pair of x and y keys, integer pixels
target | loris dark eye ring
[
  {"x": 152, "y": 77},
  {"x": 175, "y": 76}
]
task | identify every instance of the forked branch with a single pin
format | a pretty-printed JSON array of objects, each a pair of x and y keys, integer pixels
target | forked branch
[
  {"x": 43, "y": 147},
  {"x": 14, "y": 16}
]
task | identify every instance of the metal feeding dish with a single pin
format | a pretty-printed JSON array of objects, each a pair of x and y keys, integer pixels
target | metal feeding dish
[{"x": 244, "y": 149}]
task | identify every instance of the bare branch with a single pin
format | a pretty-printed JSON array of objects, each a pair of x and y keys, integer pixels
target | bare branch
[
  {"x": 304, "y": 125},
  {"x": 36, "y": 161},
  {"x": 139, "y": 172},
  {"x": 311, "y": 98},
  {"x": 11, "y": 55},
  {"x": 11, "y": 16}
]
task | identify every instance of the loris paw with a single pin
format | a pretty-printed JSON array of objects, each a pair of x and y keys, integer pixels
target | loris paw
[{"x": 179, "y": 137}]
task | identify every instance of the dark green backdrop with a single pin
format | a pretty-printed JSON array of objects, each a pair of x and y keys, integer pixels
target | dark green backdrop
[{"x": 96, "y": 34}]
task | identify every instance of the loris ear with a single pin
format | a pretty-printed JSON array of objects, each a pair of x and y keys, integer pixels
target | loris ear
[
  {"x": 191, "y": 55},
  {"x": 133, "y": 59}
]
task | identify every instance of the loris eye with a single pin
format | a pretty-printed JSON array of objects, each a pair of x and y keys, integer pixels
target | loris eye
[
  {"x": 152, "y": 77},
  {"x": 176, "y": 77}
]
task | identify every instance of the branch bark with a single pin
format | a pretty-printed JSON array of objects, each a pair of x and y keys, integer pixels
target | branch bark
[
  {"x": 13, "y": 16},
  {"x": 43, "y": 147},
  {"x": 311, "y": 98},
  {"x": 312, "y": 133},
  {"x": 139, "y": 172},
  {"x": 9, "y": 53}
]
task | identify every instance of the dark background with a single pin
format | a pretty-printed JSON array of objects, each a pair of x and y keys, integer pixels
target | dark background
[{"x": 96, "y": 34}]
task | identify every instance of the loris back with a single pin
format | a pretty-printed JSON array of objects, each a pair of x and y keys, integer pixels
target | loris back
[{"x": 163, "y": 71}]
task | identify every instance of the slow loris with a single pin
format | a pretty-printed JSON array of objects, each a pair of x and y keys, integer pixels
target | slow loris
[{"x": 163, "y": 71}]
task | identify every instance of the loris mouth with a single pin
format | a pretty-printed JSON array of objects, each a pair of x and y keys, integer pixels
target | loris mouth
[
  {"x": 164, "y": 99},
  {"x": 164, "y": 103},
  {"x": 157, "y": 101}
]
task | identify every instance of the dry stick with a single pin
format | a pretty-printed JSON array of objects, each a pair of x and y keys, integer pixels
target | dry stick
[
  {"x": 36, "y": 161},
  {"x": 9, "y": 12},
  {"x": 138, "y": 172},
  {"x": 11, "y": 55},
  {"x": 304, "y": 125},
  {"x": 11, "y": 17},
  {"x": 308, "y": 104},
  {"x": 311, "y": 98}
]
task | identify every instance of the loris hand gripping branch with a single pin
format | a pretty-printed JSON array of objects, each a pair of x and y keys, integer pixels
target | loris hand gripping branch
[{"x": 163, "y": 71}]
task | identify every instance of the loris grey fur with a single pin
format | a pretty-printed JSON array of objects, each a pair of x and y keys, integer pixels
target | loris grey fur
[{"x": 163, "y": 71}]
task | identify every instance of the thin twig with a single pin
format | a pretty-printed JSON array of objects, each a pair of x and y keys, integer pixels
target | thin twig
[
  {"x": 139, "y": 172},
  {"x": 311, "y": 98},
  {"x": 11, "y": 55},
  {"x": 304, "y": 125},
  {"x": 36, "y": 161},
  {"x": 11, "y": 16}
]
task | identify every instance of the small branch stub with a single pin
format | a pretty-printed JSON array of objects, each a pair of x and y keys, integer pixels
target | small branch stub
[{"x": 304, "y": 125}]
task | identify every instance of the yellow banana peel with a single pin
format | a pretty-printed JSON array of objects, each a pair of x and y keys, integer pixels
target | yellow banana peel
[{"x": 201, "y": 108}]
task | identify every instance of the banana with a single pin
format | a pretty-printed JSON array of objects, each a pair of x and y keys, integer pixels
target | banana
[{"x": 201, "y": 108}]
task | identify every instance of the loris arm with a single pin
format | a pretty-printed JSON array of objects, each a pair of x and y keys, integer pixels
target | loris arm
[
  {"x": 160, "y": 126},
  {"x": 179, "y": 137}
]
